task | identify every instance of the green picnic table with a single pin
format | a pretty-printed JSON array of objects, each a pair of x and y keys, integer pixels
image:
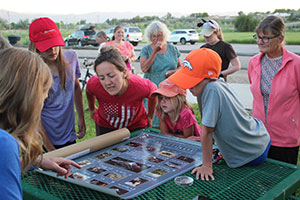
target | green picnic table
[{"x": 271, "y": 180}]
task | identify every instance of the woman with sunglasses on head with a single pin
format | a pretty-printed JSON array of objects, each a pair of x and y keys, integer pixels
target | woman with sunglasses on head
[
  {"x": 58, "y": 116},
  {"x": 274, "y": 75},
  {"x": 213, "y": 36}
]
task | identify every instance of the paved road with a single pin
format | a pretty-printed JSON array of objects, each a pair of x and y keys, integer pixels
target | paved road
[{"x": 244, "y": 51}]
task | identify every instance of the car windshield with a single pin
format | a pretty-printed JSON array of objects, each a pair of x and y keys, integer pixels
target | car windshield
[
  {"x": 134, "y": 30},
  {"x": 90, "y": 32},
  {"x": 193, "y": 32}
]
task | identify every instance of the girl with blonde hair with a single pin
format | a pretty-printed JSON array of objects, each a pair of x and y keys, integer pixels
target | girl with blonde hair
[
  {"x": 176, "y": 114},
  {"x": 24, "y": 83}
]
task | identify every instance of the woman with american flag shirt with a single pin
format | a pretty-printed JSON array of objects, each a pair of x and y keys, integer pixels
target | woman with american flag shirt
[{"x": 119, "y": 95}]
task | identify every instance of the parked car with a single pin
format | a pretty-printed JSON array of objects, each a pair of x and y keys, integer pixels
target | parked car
[
  {"x": 110, "y": 33},
  {"x": 85, "y": 36},
  {"x": 183, "y": 36},
  {"x": 132, "y": 34}
]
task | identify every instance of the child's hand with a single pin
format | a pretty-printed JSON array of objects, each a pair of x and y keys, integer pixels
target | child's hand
[
  {"x": 194, "y": 138},
  {"x": 149, "y": 122},
  {"x": 205, "y": 173},
  {"x": 59, "y": 165}
]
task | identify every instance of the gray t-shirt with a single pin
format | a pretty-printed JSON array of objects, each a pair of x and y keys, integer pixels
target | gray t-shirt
[{"x": 240, "y": 137}]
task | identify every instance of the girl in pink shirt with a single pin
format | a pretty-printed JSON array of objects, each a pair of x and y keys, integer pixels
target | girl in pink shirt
[{"x": 175, "y": 113}]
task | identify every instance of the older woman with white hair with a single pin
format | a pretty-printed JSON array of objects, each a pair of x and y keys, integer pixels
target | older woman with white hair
[{"x": 158, "y": 59}]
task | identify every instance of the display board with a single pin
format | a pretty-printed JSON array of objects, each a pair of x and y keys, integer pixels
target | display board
[{"x": 134, "y": 166}]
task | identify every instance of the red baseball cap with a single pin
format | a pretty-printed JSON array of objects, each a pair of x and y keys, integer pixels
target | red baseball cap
[
  {"x": 44, "y": 33},
  {"x": 198, "y": 65},
  {"x": 169, "y": 89}
]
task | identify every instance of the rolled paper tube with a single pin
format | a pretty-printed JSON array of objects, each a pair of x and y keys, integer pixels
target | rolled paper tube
[{"x": 92, "y": 144}]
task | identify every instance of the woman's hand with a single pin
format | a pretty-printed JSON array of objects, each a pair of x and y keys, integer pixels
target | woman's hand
[
  {"x": 157, "y": 47},
  {"x": 81, "y": 128},
  {"x": 93, "y": 112},
  {"x": 170, "y": 72},
  {"x": 59, "y": 165},
  {"x": 204, "y": 172},
  {"x": 125, "y": 58}
]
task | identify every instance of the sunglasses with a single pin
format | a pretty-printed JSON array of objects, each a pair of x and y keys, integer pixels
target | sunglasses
[{"x": 209, "y": 22}]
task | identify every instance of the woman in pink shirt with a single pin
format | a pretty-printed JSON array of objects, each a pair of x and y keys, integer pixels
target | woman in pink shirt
[
  {"x": 126, "y": 48},
  {"x": 274, "y": 76}
]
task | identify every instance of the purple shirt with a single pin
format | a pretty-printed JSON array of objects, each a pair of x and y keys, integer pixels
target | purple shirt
[{"x": 58, "y": 116}]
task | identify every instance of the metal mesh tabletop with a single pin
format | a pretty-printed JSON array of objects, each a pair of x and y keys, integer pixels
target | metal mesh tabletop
[{"x": 271, "y": 180}]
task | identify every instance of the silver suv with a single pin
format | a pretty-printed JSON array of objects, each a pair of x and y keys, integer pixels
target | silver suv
[{"x": 132, "y": 34}]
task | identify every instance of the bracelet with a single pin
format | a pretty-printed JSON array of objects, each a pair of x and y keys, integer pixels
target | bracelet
[{"x": 221, "y": 75}]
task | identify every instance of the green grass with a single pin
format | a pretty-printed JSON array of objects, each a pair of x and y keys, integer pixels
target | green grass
[
  {"x": 89, "y": 122},
  {"x": 291, "y": 37},
  {"x": 25, "y": 35}
]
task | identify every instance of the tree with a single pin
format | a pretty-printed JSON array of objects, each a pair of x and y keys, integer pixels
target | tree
[
  {"x": 3, "y": 23},
  {"x": 245, "y": 23},
  {"x": 82, "y": 22},
  {"x": 22, "y": 24},
  {"x": 199, "y": 15}
]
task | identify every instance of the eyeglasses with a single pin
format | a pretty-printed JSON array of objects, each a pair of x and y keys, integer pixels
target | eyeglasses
[{"x": 264, "y": 39}]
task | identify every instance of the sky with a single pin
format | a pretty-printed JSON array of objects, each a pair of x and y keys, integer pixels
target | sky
[{"x": 172, "y": 6}]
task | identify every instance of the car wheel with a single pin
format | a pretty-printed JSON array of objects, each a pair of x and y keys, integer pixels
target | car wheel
[
  {"x": 182, "y": 41},
  {"x": 192, "y": 42},
  {"x": 80, "y": 43},
  {"x": 174, "y": 42},
  {"x": 135, "y": 43}
]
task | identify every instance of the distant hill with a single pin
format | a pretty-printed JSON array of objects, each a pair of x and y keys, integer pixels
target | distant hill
[{"x": 95, "y": 17}]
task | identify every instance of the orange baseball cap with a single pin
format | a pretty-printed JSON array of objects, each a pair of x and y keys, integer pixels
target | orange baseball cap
[
  {"x": 198, "y": 65},
  {"x": 44, "y": 33},
  {"x": 169, "y": 89}
]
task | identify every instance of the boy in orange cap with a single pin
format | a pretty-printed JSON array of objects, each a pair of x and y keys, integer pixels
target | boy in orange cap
[{"x": 242, "y": 139}]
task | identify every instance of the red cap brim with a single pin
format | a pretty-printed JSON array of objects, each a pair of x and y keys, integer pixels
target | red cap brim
[{"x": 44, "y": 45}]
